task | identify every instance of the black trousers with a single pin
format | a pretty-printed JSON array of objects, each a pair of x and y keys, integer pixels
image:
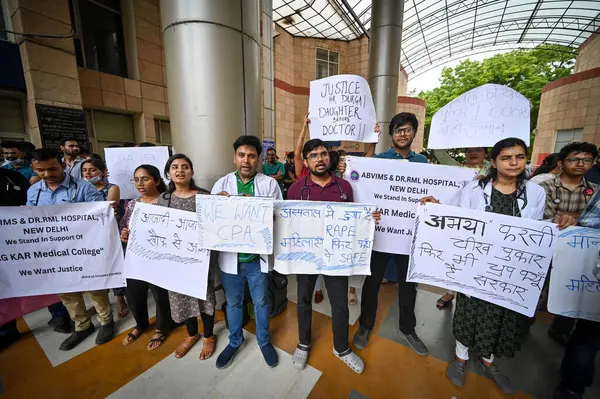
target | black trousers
[
  {"x": 337, "y": 291},
  {"x": 407, "y": 292},
  {"x": 578, "y": 365},
  {"x": 137, "y": 299}
]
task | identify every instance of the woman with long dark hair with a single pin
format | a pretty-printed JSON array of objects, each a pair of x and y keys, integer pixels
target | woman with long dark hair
[
  {"x": 547, "y": 170},
  {"x": 181, "y": 194},
  {"x": 482, "y": 327},
  {"x": 150, "y": 185},
  {"x": 93, "y": 171}
]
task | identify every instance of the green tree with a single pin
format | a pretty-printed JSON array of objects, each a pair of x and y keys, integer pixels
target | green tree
[{"x": 526, "y": 71}]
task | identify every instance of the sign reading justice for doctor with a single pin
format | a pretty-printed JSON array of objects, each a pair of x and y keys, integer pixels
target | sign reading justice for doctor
[{"x": 341, "y": 108}]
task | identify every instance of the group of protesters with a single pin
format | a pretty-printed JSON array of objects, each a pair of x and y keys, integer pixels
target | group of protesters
[{"x": 562, "y": 190}]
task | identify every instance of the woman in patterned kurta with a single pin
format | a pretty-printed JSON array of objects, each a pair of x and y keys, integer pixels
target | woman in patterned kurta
[
  {"x": 182, "y": 195},
  {"x": 93, "y": 171},
  {"x": 484, "y": 328}
]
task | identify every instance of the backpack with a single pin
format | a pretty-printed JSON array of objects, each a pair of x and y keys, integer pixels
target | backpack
[{"x": 277, "y": 293}]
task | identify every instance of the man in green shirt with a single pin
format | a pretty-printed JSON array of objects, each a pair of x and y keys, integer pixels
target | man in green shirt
[{"x": 274, "y": 169}]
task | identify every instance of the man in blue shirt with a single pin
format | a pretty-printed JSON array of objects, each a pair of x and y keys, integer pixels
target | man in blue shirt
[
  {"x": 403, "y": 129},
  {"x": 14, "y": 154},
  {"x": 56, "y": 188}
]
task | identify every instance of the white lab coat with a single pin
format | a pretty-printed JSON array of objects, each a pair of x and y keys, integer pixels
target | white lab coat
[
  {"x": 264, "y": 186},
  {"x": 473, "y": 196}
]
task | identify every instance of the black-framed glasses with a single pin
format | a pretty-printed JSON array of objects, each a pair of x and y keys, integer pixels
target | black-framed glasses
[
  {"x": 585, "y": 161},
  {"x": 403, "y": 131}
]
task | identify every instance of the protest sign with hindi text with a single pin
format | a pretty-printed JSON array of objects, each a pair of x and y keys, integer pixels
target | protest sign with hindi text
[
  {"x": 235, "y": 224},
  {"x": 480, "y": 118},
  {"x": 163, "y": 250},
  {"x": 341, "y": 108},
  {"x": 499, "y": 259},
  {"x": 331, "y": 238},
  {"x": 574, "y": 291},
  {"x": 122, "y": 162},
  {"x": 396, "y": 188},
  {"x": 57, "y": 249}
]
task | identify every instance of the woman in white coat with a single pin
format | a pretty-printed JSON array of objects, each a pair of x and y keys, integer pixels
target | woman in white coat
[{"x": 484, "y": 328}]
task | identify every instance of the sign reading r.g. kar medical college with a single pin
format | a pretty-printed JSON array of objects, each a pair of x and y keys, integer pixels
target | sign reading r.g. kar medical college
[{"x": 58, "y": 123}]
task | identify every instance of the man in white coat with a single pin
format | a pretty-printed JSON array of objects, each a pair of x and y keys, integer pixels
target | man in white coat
[{"x": 237, "y": 268}]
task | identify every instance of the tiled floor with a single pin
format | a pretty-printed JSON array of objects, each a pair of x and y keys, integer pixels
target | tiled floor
[{"x": 33, "y": 368}]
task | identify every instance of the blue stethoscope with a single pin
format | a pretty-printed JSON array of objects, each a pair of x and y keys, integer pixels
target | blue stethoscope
[
  {"x": 73, "y": 191},
  {"x": 343, "y": 195}
]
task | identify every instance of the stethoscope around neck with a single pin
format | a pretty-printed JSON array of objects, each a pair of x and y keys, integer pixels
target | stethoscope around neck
[
  {"x": 587, "y": 191},
  {"x": 516, "y": 209},
  {"x": 73, "y": 191},
  {"x": 343, "y": 195}
]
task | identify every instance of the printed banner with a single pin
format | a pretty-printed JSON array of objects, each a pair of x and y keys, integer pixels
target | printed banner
[
  {"x": 480, "y": 118},
  {"x": 341, "y": 108},
  {"x": 163, "y": 250},
  {"x": 331, "y": 238},
  {"x": 500, "y": 259},
  {"x": 122, "y": 162},
  {"x": 57, "y": 249},
  {"x": 396, "y": 188},
  {"x": 574, "y": 292},
  {"x": 235, "y": 224}
]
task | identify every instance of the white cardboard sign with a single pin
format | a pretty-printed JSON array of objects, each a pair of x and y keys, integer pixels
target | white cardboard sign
[
  {"x": 122, "y": 162},
  {"x": 331, "y": 238},
  {"x": 396, "y": 188},
  {"x": 57, "y": 249},
  {"x": 163, "y": 250},
  {"x": 500, "y": 259},
  {"x": 480, "y": 118},
  {"x": 341, "y": 108},
  {"x": 574, "y": 292}
]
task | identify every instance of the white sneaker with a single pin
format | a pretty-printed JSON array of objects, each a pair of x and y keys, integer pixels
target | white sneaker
[
  {"x": 300, "y": 356},
  {"x": 352, "y": 360}
]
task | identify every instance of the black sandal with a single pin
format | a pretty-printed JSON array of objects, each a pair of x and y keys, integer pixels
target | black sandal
[
  {"x": 443, "y": 303},
  {"x": 131, "y": 337},
  {"x": 160, "y": 339}
]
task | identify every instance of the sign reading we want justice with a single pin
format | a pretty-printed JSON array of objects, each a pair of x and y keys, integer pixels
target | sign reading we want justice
[{"x": 396, "y": 187}]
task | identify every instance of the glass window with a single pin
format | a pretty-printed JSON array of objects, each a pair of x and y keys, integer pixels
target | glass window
[
  {"x": 11, "y": 116},
  {"x": 327, "y": 63},
  {"x": 564, "y": 137},
  {"x": 107, "y": 128},
  {"x": 99, "y": 42},
  {"x": 163, "y": 132}
]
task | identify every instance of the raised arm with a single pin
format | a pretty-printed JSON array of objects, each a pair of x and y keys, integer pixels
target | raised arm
[{"x": 298, "y": 161}]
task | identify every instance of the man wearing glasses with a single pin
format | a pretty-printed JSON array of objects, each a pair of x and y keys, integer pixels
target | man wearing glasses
[
  {"x": 567, "y": 194},
  {"x": 403, "y": 129}
]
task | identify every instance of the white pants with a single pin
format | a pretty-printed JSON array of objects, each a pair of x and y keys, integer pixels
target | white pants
[{"x": 462, "y": 352}]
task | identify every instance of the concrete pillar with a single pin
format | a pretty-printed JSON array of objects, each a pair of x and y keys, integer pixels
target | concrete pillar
[
  {"x": 384, "y": 62},
  {"x": 212, "y": 55}
]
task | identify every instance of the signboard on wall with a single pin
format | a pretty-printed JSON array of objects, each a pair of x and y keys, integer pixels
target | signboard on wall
[{"x": 57, "y": 123}]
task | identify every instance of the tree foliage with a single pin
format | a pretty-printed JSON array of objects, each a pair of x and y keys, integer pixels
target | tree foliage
[{"x": 526, "y": 71}]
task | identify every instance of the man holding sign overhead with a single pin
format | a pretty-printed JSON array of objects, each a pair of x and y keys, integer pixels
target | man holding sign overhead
[
  {"x": 322, "y": 185},
  {"x": 239, "y": 268}
]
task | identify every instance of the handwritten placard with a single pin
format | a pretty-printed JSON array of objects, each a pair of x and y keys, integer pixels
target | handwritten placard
[
  {"x": 341, "y": 108},
  {"x": 500, "y": 259},
  {"x": 574, "y": 290},
  {"x": 329, "y": 238},
  {"x": 235, "y": 224},
  {"x": 163, "y": 250},
  {"x": 481, "y": 117},
  {"x": 396, "y": 188},
  {"x": 122, "y": 162},
  {"x": 59, "y": 248}
]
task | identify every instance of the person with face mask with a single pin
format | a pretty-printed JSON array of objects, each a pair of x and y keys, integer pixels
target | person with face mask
[
  {"x": 71, "y": 158},
  {"x": 14, "y": 156},
  {"x": 59, "y": 188},
  {"x": 93, "y": 171},
  {"x": 239, "y": 268}
]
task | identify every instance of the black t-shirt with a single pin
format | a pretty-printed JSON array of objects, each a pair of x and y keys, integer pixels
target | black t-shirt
[
  {"x": 289, "y": 168},
  {"x": 13, "y": 188}
]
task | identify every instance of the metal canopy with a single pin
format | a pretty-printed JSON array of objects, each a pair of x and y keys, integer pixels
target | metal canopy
[{"x": 437, "y": 31}]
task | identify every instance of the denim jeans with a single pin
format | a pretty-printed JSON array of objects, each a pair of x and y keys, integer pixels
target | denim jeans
[
  {"x": 578, "y": 365},
  {"x": 258, "y": 283}
]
